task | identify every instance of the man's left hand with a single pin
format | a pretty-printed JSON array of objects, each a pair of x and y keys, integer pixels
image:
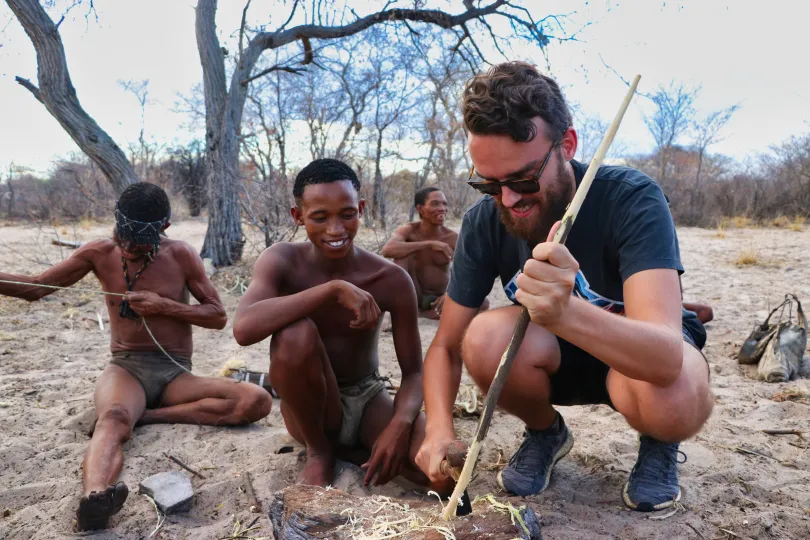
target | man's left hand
[
  {"x": 389, "y": 454},
  {"x": 146, "y": 303},
  {"x": 545, "y": 285}
]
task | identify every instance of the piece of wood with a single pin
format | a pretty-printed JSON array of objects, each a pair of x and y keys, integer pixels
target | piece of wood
[
  {"x": 523, "y": 318},
  {"x": 186, "y": 467},
  {"x": 256, "y": 505},
  {"x": 66, "y": 243},
  {"x": 307, "y": 512},
  {"x": 783, "y": 432}
]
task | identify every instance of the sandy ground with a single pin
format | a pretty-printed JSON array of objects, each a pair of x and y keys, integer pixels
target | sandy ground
[{"x": 52, "y": 352}]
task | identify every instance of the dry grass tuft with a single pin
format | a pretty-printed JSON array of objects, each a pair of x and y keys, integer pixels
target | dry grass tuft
[
  {"x": 720, "y": 233},
  {"x": 781, "y": 222},
  {"x": 792, "y": 394},
  {"x": 798, "y": 224},
  {"x": 748, "y": 257}
]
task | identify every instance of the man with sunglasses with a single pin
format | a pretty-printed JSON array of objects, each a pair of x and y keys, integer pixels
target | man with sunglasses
[{"x": 608, "y": 326}]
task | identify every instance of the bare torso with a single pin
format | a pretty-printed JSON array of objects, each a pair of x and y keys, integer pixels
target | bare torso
[
  {"x": 431, "y": 267},
  {"x": 352, "y": 353},
  {"x": 164, "y": 276}
]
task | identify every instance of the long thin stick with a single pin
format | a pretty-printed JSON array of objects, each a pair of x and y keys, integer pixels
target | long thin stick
[
  {"x": 186, "y": 467},
  {"x": 523, "y": 319}
]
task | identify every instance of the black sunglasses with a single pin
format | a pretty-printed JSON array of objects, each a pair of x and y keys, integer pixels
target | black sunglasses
[{"x": 522, "y": 185}]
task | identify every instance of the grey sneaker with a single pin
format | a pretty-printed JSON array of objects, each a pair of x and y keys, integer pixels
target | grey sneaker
[
  {"x": 653, "y": 482},
  {"x": 529, "y": 470}
]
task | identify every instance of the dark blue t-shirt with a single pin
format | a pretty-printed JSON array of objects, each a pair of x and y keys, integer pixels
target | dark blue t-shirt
[{"x": 624, "y": 227}]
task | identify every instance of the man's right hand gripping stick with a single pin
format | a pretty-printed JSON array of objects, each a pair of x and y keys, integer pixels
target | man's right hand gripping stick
[
  {"x": 452, "y": 467},
  {"x": 523, "y": 318}
]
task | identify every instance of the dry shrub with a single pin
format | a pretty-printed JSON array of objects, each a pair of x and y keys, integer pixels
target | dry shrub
[
  {"x": 798, "y": 224},
  {"x": 781, "y": 222},
  {"x": 741, "y": 222}
]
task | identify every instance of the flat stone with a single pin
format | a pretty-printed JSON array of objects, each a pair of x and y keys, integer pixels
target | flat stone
[{"x": 171, "y": 491}]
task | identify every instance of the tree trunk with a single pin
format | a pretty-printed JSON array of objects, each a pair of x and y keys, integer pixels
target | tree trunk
[
  {"x": 56, "y": 92},
  {"x": 307, "y": 512},
  {"x": 377, "y": 203},
  {"x": 697, "y": 176}
]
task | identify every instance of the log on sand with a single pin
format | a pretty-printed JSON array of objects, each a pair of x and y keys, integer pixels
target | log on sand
[{"x": 307, "y": 512}]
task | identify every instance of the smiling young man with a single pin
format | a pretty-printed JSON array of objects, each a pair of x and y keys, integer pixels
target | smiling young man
[
  {"x": 142, "y": 384},
  {"x": 321, "y": 301},
  {"x": 607, "y": 319},
  {"x": 424, "y": 249}
]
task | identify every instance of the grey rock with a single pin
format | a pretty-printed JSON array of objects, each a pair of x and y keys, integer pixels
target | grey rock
[{"x": 171, "y": 491}]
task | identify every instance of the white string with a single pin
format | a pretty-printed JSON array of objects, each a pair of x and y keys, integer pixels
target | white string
[{"x": 94, "y": 291}]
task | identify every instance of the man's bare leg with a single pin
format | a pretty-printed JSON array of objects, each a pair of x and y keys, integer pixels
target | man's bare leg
[
  {"x": 211, "y": 401},
  {"x": 527, "y": 391},
  {"x": 120, "y": 401},
  {"x": 310, "y": 403}
]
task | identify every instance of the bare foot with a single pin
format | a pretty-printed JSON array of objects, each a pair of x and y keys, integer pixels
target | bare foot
[
  {"x": 96, "y": 507},
  {"x": 319, "y": 469}
]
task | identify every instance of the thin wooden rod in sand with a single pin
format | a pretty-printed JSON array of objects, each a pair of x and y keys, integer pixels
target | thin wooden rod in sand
[{"x": 523, "y": 319}]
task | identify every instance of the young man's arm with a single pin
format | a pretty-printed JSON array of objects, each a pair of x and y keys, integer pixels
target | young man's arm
[
  {"x": 390, "y": 451},
  {"x": 262, "y": 311},
  {"x": 398, "y": 246},
  {"x": 210, "y": 312},
  {"x": 63, "y": 274}
]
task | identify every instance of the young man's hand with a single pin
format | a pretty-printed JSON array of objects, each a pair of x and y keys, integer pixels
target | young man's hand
[
  {"x": 431, "y": 454},
  {"x": 389, "y": 453},
  {"x": 146, "y": 303},
  {"x": 545, "y": 285},
  {"x": 366, "y": 311},
  {"x": 442, "y": 248},
  {"x": 438, "y": 304}
]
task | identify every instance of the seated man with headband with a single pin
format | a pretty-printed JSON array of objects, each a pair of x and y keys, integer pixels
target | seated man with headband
[{"x": 143, "y": 384}]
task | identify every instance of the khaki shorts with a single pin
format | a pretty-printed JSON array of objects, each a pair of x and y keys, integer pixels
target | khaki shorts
[
  {"x": 153, "y": 370},
  {"x": 354, "y": 399}
]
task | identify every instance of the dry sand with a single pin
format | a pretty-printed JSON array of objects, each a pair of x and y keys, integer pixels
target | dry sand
[{"x": 52, "y": 352}]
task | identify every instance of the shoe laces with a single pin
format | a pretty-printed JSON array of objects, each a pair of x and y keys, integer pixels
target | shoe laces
[
  {"x": 656, "y": 460},
  {"x": 533, "y": 450}
]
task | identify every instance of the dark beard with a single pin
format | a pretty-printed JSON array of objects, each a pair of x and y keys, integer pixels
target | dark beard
[{"x": 552, "y": 209}]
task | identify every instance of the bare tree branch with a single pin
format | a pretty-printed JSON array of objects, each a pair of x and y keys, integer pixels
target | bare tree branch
[
  {"x": 57, "y": 93},
  {"x": 30, "y": 87},
  {"x": 290, "y": 18},
  {"x": 288, "y": 69},
  {"x": 242, "y": 28}
]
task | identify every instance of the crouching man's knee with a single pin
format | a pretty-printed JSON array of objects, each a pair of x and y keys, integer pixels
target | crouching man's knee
[{"x": 294, "y": 344}]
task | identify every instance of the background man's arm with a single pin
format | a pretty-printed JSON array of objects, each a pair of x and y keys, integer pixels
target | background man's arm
[
  {"x": 261, "y": 311},
  {"x": 63, "y": 274},
  {"x": 210, "y": 313},
  {"x": 398, "y": 246}
]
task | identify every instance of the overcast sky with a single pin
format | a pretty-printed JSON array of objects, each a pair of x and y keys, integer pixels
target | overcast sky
[{"x": 744, "y": 52}]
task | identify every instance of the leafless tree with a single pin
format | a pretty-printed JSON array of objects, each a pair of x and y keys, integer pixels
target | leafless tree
[
  {"x": 56, "y": 92},
  {"x": 707, "y": 132},
  {"x": 670, "y": 120}
]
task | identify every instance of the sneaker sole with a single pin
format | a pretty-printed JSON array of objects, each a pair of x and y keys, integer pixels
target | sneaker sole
[
  {"x": 660, "y": 506},
  {"x": 564, "y": 449}
]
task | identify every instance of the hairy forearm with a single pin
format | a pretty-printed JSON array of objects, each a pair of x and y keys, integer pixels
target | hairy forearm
[
  {"x": 639, "y": 350},
  {"x": 266, "y": 317},
  {"x": 207, "y": 315},
  {"x": 442, "y": 377},
  {"x": 397, "y": 249}
]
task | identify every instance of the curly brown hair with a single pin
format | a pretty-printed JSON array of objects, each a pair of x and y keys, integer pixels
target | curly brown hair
[{"x": 505, "y": 100}]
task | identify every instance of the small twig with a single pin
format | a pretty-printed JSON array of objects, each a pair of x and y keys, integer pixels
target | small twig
[
  {"x": 256, "y": 507},
  {"x": 697, "y": 532},
  {"x": 186, "y": 467},
  {"x": 741, "y": 450},
  {"x": 735, "y": 535},
  {"x": 783, "y": 432}
]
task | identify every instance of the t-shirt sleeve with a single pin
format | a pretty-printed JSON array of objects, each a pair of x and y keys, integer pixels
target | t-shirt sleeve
[
  {"x": 644, "y": 232},
  {"x": 473, "y": 270}
]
